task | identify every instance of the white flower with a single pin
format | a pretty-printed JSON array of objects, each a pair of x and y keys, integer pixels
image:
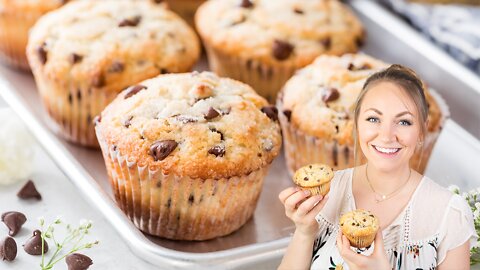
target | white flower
[
  {"x": 476, "y": 213},
  {"x": 477, "y": 205},
  {"x": 454, "y": 189}
]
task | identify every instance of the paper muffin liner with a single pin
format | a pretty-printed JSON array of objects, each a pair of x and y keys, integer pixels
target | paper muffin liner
[
  {"x": 302, "y": 149},
  {"x": 180, "y": 207},
  {"x": 264, "y": 79},
  {"x": 361, "y": 241},
  {"x": 185, "y": 8},
  {"x": 323, "y": 189}
]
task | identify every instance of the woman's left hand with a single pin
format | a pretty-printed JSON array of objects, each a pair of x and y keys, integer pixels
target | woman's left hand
[{"x": 378, "y": 260}]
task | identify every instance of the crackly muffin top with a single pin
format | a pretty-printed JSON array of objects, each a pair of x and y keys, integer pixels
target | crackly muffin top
[
  {"x": 110, "y": 43},
  {"x": 192, "y": 124},
  {"x": 319, "y": 100},
  {"x": 286, "y": 32},
  {"x": 313, "y": 175},
  {"x": 359, "y": 223}
]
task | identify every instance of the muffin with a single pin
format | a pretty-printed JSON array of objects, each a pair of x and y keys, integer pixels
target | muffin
[
  {"x": 314, "y": 177},
  {"x": 316, "y": 113},
  {"x": 83, "y": 54},
  {"x": 185, "y": 8},
  {"x": 263, "y": 42},
  {"x": 360, "y": 227},
  {"x": 16, "y": 18},
  {"x": 187, "y": 153}
]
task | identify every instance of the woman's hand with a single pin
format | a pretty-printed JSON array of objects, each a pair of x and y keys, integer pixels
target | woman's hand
[
  {"x": 302, "y": 209},
  {"x": 378, "y": 260}
]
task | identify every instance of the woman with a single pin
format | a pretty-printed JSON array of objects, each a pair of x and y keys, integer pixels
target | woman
[{"x": 422, "y": 225}]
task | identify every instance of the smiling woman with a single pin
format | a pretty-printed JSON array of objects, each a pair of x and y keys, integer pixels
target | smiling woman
[{"x": 422, "y": 225}]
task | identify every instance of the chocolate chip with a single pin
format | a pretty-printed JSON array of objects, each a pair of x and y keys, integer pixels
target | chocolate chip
[
  {"x": 130, "y": 21},
  {"x": 33, "y": 246},
  {"x": 116, "y": 67},
  {"x": 271, "y": 111},
  {"x": 352, "y": 67},
  {"x": 132, "y": 90},
  {"x": 98, "y": 81},
  {"x": 8, "y": 249},
  {"x": 330, "y": 94},
  {"x": 14, "y": 221},
  {"x": 75, "y": 58},
  {"x": 326, "y": 42},
  {"x": 246, "y": 4},
  {"x": 128, "y": 122},
  {"x": 42, "y": 53},
  {"x": 288, "y": 114},
  {"x": 281, "y": 49},
  {"x": 298, "y": 11},
  {"x": 77, "y": 261},
  {"x": 305, "y": 178},
  {"x": 219, "y": 132},
  {"x": 217, "y": 150},
  {"x": 161, "y": 149},
  {"x": 29, "y": 191},
  {"x": 212, "y": 113}
]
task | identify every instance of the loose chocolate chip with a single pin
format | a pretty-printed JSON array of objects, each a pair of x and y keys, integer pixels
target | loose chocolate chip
[
  {"x": 14, "y": 221},
  {"x": 281, "y": 49},
  {"x": 98, "y": 80},
  {"x": 212, "y": 113},
  {"x": 298, "y": 11},
  {"x": 132, "y": 90},
  {"x": 288, "y": 114},
  {"x": 217, "y": 150},
  {"x": 75, "y": 58},
  {"x": 29, "y": 191},
  {"x": 130, "y": 21},
  {"x": 161, "y": 149},
  {"x": 330, "y": 94},
  {"x": 128, "y": 122},
  {"x": 8, "y": 249},
  {"x": 326, "y": 42},
  {"x": 42, "y": 53},
  {"x": 116, "y": 67},
  {"x": 246, "y": 4},
  {"x": 33, "y": 246},
  {"x": 77, "y": 261},
  {"x": 271, "y": 111}
]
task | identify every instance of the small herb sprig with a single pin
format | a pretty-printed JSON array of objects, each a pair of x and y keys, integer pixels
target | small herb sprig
[{"x": 72, "y": 242}]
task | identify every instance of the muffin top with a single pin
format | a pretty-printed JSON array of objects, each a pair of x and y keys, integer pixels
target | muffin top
[
  {"x": 359, "y": 223},
  {"x": 108, "y": 44},
  {"x": 313, "y": 175},
  {"x": 319, "y": 100},
  {"x": 30, "y": 6},
  {"x": 192, "y": 124},
  {"x": 285, "y": 32}
]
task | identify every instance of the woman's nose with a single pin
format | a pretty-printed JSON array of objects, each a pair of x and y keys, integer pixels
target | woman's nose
[{"x": 387, "y": 133}]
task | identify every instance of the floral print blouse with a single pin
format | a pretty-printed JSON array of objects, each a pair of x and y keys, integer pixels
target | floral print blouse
[{"x": 433, "y": 222}]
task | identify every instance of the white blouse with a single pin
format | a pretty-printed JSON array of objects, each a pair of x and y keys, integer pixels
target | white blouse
[{"x": 433, "y": 222}]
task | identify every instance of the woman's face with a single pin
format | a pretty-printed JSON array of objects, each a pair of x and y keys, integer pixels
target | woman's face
[{"x": 388, "y": 128}]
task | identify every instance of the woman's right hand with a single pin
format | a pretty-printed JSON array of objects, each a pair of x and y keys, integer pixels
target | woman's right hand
[{"x": 302, "y": 209}]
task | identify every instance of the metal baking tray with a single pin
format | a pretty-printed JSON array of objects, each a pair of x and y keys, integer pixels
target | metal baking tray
[{"x": 262, "y": 241}]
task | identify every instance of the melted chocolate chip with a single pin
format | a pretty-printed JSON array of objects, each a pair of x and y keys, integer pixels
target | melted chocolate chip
[
  {"x": 326, "y": 42},
  {"x": 288, "y": 114},
  {"x": 8, "y": 249},
  {"x": 330, "y": 94},
  {"x": 33, "y": 246},
  {"x": 29, "y": 191},
  {"x": 77, "y": 261},
  {"x": 246, "y": 4},
  {"x": 132, "y": 22},
  {"x": 116, "y": 67},
  {"x": 217, "y": 150},
  {"x": 14, "y": 221},
  {"x": 212, "y": 113},
  {"x": 162, "y": 149},
  {"x": 75, "y": 58},
  {"x": 271, "y": 111},
  {"x": 281, "y": 49},
  {"x": 42, "y": 53},
  {"x": 132, "y": 90}
]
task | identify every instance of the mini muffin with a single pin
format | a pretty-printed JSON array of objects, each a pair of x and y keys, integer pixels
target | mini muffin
[
  {"x": 185, "y": 8},
  {"x": 263, "y": 42},
  {"x": 316, "y": 113},
  {"x": 16, "y": 18},
  {"x": 83, "y": 54},
  {"x": 314, "y": 177},
  {"x": 187, "y": 153},
  {"x": 360, "y": 227}
]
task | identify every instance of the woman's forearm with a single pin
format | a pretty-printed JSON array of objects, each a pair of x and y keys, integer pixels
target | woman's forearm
[{"x": 298, "y": 255}]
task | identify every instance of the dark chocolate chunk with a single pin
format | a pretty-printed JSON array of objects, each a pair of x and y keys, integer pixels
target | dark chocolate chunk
[
  {"x": 246, "y": 4},
  {"x": 8, "y": 249},
  {"x": 217, "y": 150},
  {"x": 134, "y": 21},
  {"x": 281, "y": 49},
  {"x": 33, "y": 246},
  {"x": 77, "y": 261},
  {"x": 271, "y": 111},
  {"x": 29, "y": 191},
  {"x": 288, "y": 114},
  {"x": 116, "y": 67},
  {"x": 75, "y": 58},
  {"x": 330, "y": 94},
  {"x": 134, "y": 89},
  {"x": 305, "y": 178},
  {"x": 161, "y": 149},
  {"x": 42, "y": 53},
  {"x": 212, "y": 113},
  {"x": 352, "y": 67},
  {"x": 14, "y": 221},
  {"x": 326, "y": 42}
]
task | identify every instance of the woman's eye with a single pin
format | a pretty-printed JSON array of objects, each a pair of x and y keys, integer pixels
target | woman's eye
[
  {"x": 373, "y": 119},
  {"x": 405, "y": 123}
]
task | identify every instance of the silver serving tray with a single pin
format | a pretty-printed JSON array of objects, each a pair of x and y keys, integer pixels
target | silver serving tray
[{"x": 262, "y": 241}]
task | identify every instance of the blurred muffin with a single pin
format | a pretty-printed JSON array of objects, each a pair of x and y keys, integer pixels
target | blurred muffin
[
  {"x": 185, "y": 8},
  {"x": 263, "y": 42},
  {"x": 85, "y": 53},
  {"x": 360, "y": 227},
  {"x": 187, "y": 153},
  {"x": 315, "y": 178},
  {"x": 316, "y": 113},
  {"x": 16, "y": 18}
]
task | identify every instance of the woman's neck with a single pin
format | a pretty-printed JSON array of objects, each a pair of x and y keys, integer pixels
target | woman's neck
[{"x": 386, "y": 182}]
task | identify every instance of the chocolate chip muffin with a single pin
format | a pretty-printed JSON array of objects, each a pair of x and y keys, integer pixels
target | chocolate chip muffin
[
  {"x": 263, "y": 42},
  {"x": 187, "y": 153},
  {"x": 83, "y": 54},
  {"x": 16, "y": 18},
  {"x": 315, "y": 178},
  {"x": 185, "y": 8},
  {"x": 316, "y": 113},
  {"x": 360, "y": 227}
]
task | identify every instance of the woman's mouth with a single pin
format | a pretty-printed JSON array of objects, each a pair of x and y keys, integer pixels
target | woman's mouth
[{"x": 386, "y": 150}]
